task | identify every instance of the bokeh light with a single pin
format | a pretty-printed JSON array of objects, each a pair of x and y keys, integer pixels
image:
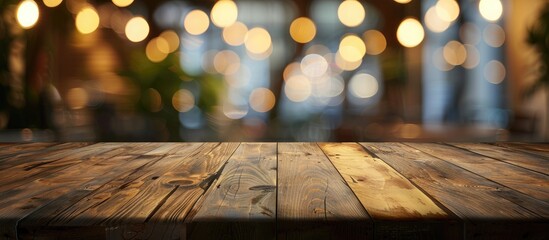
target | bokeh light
[
  {"x": 262, "y": 100},
  {"x": 27, "y": 14},
  {"x": 137, "y": 29},
  {"x": 494, "y": 72},
  {"x": 302, "y": 30},
  {"x": 454, "y": 53},
  {"x": 345, "y": 65},
  {"x": 298, "y": 88},
  {"x": 77, "y": 98},
  {"x": 434, "y": 22},
  {"x": 157, "y": 49},
  {"x": 234, "y": 35},
  {"x": 196, "y": 22},
  {"x": 152, "y": 100},
  {"x": 352, "y": 48},
  {"x": 473, "y": 57},
  {"x": 447, "y": 10},
  {"x": 257, "y": 40},
  {"x": 52, "y": 3},
  {"x": 314, "y": 65},
  {"x": 439, "y": 62},
  {"x": 403, "y": 1},
  {"x": 224, "y": 13},
  {"x": 493, "y": 35},
  {"x": 87, "y": 20},
  {"x": 351, "y": 13},
  {"x": 172, "y": 39},
  {"x": 375, "y": 42},
  {"x": 122, "y": 3},
  {"x": 183, "y": 100},
  {"x": 410, "y": 33},
  {"x": 226, "y": 62},
  {"x": 490, "y": 10},
  {"x": 363, "y": 85}
]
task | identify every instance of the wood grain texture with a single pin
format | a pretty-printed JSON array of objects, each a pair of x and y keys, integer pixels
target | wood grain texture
[
  {"x": 14, "y": 149},
  {"x": 398, "y": 208},
  {"x": 313, "y": 199},
  {"x": 522, "y": 180},
  {"x": 384, "y": 192},
  {"x": 157, "y": 203},
  {"x": 467, "y": 194},
  {"x": 538, "y": 149},
  {"x": 27, "y": 198},
  {"x": 241, "y": 204},
  {"x": 507, "y": 155},
  {"x": 27, "y": 157}
]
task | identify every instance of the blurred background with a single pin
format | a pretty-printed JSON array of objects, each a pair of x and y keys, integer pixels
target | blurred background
[{"x": 274, "y": 70}]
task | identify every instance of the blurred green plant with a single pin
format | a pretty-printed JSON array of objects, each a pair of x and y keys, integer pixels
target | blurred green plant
[{"x": 538, "y": 37}]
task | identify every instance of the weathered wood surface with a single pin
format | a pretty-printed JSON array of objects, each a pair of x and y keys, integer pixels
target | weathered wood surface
[
  {"x": 274, "y": 190},
  {"x": 313, "y": 200}
]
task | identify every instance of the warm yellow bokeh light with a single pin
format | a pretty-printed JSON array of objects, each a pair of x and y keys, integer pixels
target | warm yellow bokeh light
[
  {"x": 447, "y": 10},
  {"x": 262, "y": 100},
  {"x": 410, "y": 33},
  {"x": 234, "y": 34},
  {"x": 490, "y": 10},
  {"x": 454, "y": 53},
  {"x": 375, "y": 42},
  {"x": 122, "y": 3},
  {"x": 224, "y": 13},
  {"x": 351, "y": 13},
  {"x": 352, "y": 48},
  {"x": 226, "y": 62},
  {"x": 52, "y": 3},
  {"x": 494, "y": 72},
  {"x": 434, "y": 22},
  {"x": 291, "y": 69},
  {"x": 298, "y": 88},
  {"x": 196, "y": 22},
  {"x": 87, "y": 20},
  {"x": 403, "y": 1},
  {"x": 257, "y": 40},
  {"x": 156, "y": 49},
  {"x": 302, "y": 30},
  {"x": 77, "y": 98},
  {"x": 183, "y": 100},
  {"x": 363, "y": 85},
  {"x": 27, "y": 14},
  {"x": 137, "y": 29},
  {"x": 345, "y": 65},
  {"x": 152, "y": 100},
  {"x": 172, "y": 39}
]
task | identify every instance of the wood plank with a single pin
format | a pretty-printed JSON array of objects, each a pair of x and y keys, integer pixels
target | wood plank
[
  {"x": 38, "y": 155},
  {"x": 127, "y": 205},
  {"x": 14, "y": 149},
  {"x": 193, "y": 179},
  {"x": 488, "y": 208},
  {"x": 538, "y": 149},
  {"x": 242, "y": 202},
  {"x": 398, "y": 208},
  {"x": 50, "y": 164},
  {"x": 25, "y": 199},
  {"x": 313, "y": 199},
  {"x": 137, "y": 163},
  {"x": 507, "y": 155},
  {"x": 519, "y": 179}
]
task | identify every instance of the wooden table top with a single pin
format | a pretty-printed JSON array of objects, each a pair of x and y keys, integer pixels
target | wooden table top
[{"x": 274, "y": 190}]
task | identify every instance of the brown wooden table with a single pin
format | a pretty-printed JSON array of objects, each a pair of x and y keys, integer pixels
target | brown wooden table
[{"x": 274, "y": 190}]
